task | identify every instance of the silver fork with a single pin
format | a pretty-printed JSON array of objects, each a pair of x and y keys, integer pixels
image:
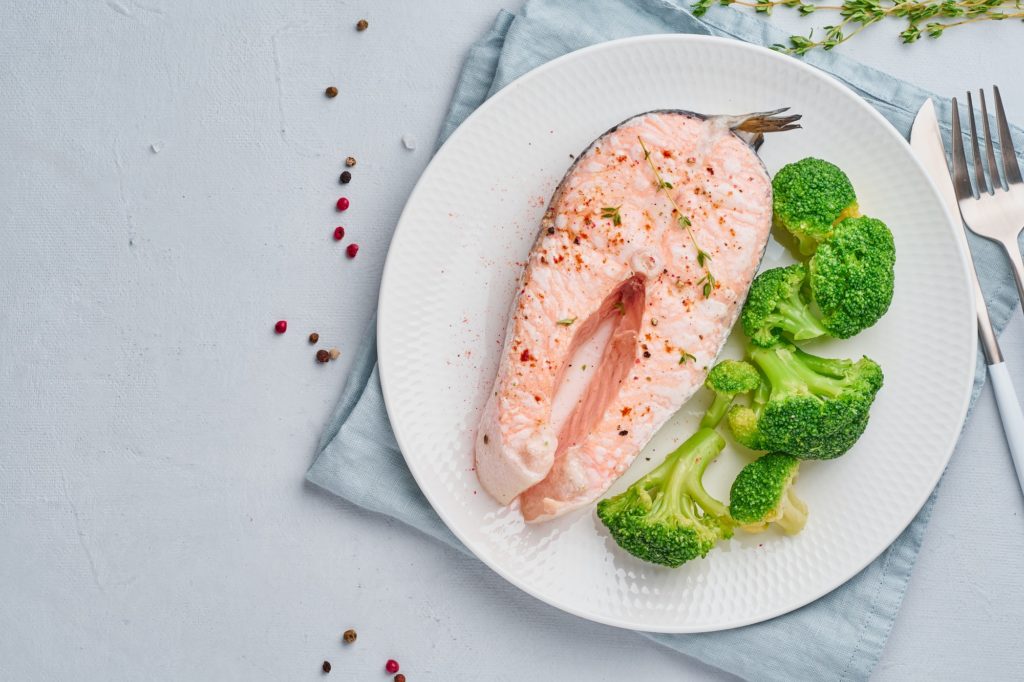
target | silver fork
[{"x": 995, "y": 212}]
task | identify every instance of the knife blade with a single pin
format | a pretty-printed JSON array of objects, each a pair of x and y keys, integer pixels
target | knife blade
[{"x": 926, "y": 143}]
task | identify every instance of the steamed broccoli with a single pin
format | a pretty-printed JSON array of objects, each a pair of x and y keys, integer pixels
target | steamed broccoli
[
  {"x": 851, "y": 276},
  {"x": 849, "y": 279},
  {"x": 667, "y": 517},
  {"x": 776, "y": 306},
  {"x": 807, "y": 406},
  {"x": 810, "y": 197},
  {"x": 728, "y": 379},
  {"x": 763, "y": 494}
]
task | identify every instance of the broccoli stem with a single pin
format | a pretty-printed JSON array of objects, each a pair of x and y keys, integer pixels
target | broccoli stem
[
  {"x": 797, "y": 319},
  {"x": 713, "y": 417},
  {"x": 795, "y": 373},
  {"x": 689, "y": 462},
  {"x": 794, "y": 513}
]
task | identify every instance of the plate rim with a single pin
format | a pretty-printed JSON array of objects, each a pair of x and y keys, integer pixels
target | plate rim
[{"x": 388, "y": 274}]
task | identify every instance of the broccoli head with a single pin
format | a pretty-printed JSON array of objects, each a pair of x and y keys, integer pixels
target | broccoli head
[
  {"x": 667, "y": 517},
  {"x": 728, "y": 379},
  {"x": 810, "y": 197},
  {"x": 808, "y": 407},
  {"x": 851, "y": 276},
  {"x": 763, "y": 494},
  {"x": 776, "y": 306}
]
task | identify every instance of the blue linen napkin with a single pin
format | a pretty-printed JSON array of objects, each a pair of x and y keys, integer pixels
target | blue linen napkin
[{"x": 842, "y": 634}]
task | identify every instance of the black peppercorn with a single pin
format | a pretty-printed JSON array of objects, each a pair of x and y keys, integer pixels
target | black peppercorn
[
  {"x": 349, "y": 636},
  {"x": 326, "y": 666},
  {"x": 331, "y": 91},
  {"x": 346, "y": 178},
  {"x": 322, "y": 356},
  {"x": 314, "y": 337},
  {"x": 362, "y": 25}
]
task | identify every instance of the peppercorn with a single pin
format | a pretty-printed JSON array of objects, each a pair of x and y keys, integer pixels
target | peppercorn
[
  {"x": 647, "y": 353},
  {"x": 350, "y": 161},
  {"x": 326, "y": 666},
  {"x": 334, "y": 353},
  {"x": 343, "y": 204},
  {"x": 314, "y": 337},
  {"x": 551, "y": 230},
  {"x": 281, "y": 327},
  {"x": 391, "y": 666},
  {"x": 323, "y": 356},
  {"x": 345, "y": 178},
  {"x": 339, "y": 233},
  {"x": 349, "y": 636},
  {"x": 352, "y": 250},
  {"x": 623, "y": 433},
  {"x": 399, "y": 677},
  {"x": 362, "y": 25},
  {"x": 331, "y": 92}
]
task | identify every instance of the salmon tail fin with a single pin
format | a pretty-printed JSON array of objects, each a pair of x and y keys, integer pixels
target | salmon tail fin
[{"x": 765, "y": 122}]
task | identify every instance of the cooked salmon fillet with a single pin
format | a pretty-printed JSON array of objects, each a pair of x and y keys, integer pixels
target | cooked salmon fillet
[{"x": 613, "y": 251}]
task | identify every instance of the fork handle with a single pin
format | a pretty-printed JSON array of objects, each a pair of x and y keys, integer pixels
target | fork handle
[
  {"x": 1013, "y": 253},
  {"x": 1010, "y": 414}
]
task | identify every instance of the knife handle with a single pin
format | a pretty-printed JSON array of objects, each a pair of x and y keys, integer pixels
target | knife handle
[{"x": 1011, "y": 415}]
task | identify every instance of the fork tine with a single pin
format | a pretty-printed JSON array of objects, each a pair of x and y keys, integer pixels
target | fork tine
[
  {"x": 990, "y": 152},
  {"x": 1012, "y": 170},
  {"x": 961, "y": 182},
  {"x": 979, "y": 169}
]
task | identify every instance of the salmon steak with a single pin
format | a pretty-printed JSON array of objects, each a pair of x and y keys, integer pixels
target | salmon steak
[{"x": 650, "y": 241}]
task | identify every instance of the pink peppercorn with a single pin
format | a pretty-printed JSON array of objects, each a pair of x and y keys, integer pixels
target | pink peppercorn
[
  {"x": 281, "y": 327},
  {"x": 339, "y": 233},
  {"x": 342, "y": 204},
  {"x": 352, "y": 250},
  {"x": 391, "y": 666}
]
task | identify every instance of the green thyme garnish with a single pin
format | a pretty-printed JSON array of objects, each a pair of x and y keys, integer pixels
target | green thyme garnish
[
  {"x": 929, "y": 18},
  {"x": 707, "y": 283},
  {"x": 686, "y": 356},
  {"x": 684, "y": 222},
  {"x": 567, "y": 321},
  {"x": 613, "y": 213}
]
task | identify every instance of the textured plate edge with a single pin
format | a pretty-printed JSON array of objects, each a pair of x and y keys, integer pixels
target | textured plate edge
[{"x": 389, "y": 272}]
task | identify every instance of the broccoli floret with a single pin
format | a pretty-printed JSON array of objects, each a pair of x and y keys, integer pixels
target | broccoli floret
[
  {"x": 763, "y": 494},
  {"x": 810, "y": 197},
  {"x": 813, "y": 408},
  {"x": 776, "y": 306},
  {"x": 667, "y": 517},
  {"x": 728, "y": 379},
  {"x": 851, "y": 276}
]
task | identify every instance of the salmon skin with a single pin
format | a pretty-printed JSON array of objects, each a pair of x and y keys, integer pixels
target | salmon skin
[{"x": 614, "y": 253}]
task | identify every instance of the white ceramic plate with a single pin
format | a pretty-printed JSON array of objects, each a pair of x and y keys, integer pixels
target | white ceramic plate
[{"x": 459, "y": 250}]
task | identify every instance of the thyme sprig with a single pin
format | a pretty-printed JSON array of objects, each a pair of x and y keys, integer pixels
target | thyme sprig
[
  {"x": 703, "y": 257},
  {"x": 929, "y": 18}
]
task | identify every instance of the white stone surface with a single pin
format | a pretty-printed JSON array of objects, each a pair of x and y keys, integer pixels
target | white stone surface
[{"x": 154, "y": 432}]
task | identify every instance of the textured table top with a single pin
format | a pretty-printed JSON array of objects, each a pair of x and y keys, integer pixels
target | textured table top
[{"x": 167, "y": 179}]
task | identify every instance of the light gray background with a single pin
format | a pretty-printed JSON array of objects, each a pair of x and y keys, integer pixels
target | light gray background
[{"x": 154, "y": 433}]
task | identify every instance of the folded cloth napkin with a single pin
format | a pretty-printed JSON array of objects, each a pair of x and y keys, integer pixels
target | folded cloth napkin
[{"x": 842, "y": 634}]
